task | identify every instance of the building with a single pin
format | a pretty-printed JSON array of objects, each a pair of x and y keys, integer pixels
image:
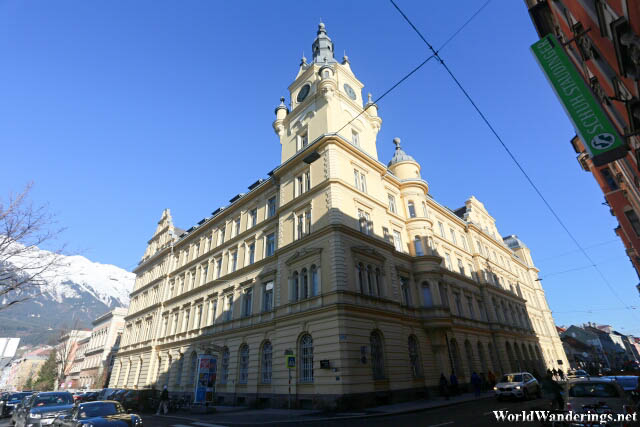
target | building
[
  {"x": 341, "y": 261},
  {"x": 24, "y": 367},
  {"x": 66, "y": 354},
  {"x": 106, "y": 330},
  {"x": 73, "y": 379},
  {"x": 602, "y": 39}
]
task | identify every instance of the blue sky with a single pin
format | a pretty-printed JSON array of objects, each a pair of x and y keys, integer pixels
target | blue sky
[{"x": 117, "y": 110}]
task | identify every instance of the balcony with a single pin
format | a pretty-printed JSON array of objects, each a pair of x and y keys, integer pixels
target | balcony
[{"x": 436, "y": 317}]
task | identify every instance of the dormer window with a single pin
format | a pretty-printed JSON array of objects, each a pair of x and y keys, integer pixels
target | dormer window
[{"x": 355, "y": 138}]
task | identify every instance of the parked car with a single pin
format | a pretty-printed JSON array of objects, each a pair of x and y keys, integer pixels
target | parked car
[
  {"x": 43, "y": 408},
  {"x": 104, "y": 393},
  {"x": 630, "y": 384},
  {"x": 518, "y": 385},
  {"x": 578, "y": 373},
  {"x": 141, "y": 400},
  {"x": 597, "y": 395},
  {"x": 118, "y": 395},
  {"x": 100, "y": 413},
  {"x": 9, "y": 402},
  {"x": 20, "y": 408}
]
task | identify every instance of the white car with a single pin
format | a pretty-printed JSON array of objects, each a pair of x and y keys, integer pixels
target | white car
[{"x": 520, "y": 385}]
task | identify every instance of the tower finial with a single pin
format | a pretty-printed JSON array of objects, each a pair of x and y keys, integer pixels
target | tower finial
[{"x": 396, "y": 141}]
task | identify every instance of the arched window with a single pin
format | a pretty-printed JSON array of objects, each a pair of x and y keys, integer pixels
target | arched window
[
  {"x": 427, "y": 300},
  {"x": 267, "y": 359},
  {"x": 224, "y": 369},
  {"x": 243, "y": 368},
  {"x": 361, "y": 277},
  {"x": 414, "y": 357},
  {"x": 315, "y": 286},
  {"x": 370, "y": 279},
  {"x": 179, "y": 372},
  {"x": 377, "y": 357},
  {"x": 469, "y": 351},
  {"x": 378, "y": 281},
  {"x": 306, "y": 359},
  {"x": 294, "y": 286},
  {"x": 417, "y": 241},
  {"x": 193, "y": 364},
  {"x": 304, "y": 293},
  {"x": 412, "y": 209}
]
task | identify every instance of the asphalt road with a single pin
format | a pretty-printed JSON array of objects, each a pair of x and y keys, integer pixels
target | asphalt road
[{"x": 473, "y": 413}]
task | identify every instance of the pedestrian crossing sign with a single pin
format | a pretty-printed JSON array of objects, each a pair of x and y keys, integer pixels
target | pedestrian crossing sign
[{"x": 291, "y": 361}]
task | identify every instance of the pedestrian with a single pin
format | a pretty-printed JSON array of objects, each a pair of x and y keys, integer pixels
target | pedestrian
[
  {"x": 453, "y": 381},
  {"x": 444, "y": 386},
  {"x": 561, "y": 373},
  {"x": 551, "y": 391},
  {"x": 476, "y": 382},
  {"x": 492, "y": 379},
  {"x": 164, "y": 401},
  {"x": 554, "y": 373}
]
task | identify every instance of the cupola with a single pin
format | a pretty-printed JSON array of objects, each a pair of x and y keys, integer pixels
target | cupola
[{"x": 403, "y": 165}]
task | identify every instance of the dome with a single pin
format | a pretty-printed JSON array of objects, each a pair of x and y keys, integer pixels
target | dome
[{"x": 400, "y": 155}]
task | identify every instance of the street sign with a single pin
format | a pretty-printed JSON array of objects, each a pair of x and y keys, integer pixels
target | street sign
[
  {"x": 291, "y": 361},
  {"x": 600, "y": 137}
]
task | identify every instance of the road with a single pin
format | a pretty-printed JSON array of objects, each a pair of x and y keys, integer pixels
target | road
[{"x": 473, "y": 413}]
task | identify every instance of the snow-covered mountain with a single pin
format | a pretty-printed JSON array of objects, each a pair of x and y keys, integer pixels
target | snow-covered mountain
[{"x": 76, "y": 292}]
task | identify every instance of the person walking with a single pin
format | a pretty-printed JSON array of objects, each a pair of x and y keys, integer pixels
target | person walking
[
  {"x": 561, "y": 374},
  {"x": 554, "y": 372},
  {"x": 444, "y": 386},
  {"x": 492, "y": 379},
  {"x": 551, "y": 391},
  {"x": 453, "y": 380},
  {"x": 164, "y": 401},
  {"x": 476, "y": 382}
]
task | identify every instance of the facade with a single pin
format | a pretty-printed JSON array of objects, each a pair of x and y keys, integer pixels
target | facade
[
  {"x": 73, "y": 380},
  {"x": 602, "y": 38},
  {"x": 25, "y": 367},
  {"x": 66, "y": 354},
  {"x": 340, "y": 260},
  {"x": 106, "y": 330}
]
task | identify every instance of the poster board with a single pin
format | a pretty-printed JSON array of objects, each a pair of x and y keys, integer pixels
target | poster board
[{"x": 206, "y": 378}]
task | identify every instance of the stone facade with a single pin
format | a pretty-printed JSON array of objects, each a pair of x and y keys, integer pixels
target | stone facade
[{"x": 345, "y": 262}]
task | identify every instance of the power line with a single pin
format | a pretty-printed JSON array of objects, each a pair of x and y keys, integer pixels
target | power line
[
  {"x": 595, "y": 245},
  {"x": 584, "y": 267},
  {"x": 506, "y": 148},
  {"x": 631, "y": 307}
]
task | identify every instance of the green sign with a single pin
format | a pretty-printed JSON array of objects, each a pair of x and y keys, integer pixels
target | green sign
[
  {"x": 596, "y": 131},
  {"x": 291, "y": 362}
]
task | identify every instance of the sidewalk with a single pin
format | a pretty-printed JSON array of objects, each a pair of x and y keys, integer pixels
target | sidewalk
[{"x": 233, "y": 415}]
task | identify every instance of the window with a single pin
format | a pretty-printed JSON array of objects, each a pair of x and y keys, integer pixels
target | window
[
  {"x": 302, "y": 183},
  {"x": 228, "y": 314},
  {"x": 464, "y": 242},
  {"x": 406, "y": 292},
  {"x": 355, "y": 138},
  {"x": 267, "y": 296},
  {"x": 304, "y": 282},
  {"x": 204, "y": 271},
  {"x": 441, "y": 226},
  {"x": 356, "y": 177},
  {"x": 267, "y": 362},
  {"x": 271, "y": 207},
  {"x": 425, "y": 212},
  {"x": 222, "y": 230},
  {"x": 360, "y": 180},
  {"x": 252, "y": 253},
  {"x": 460, "y": 266},
  {"x": 187, "y": 314},
  {"x": 300, "y": 227},
  {"x": 165, "y": 325},
  {"x": 444, "y": 294},
  {"x": 378, "y": 282},
  {"x": 392, "y": 204},
  {"x": 295, "y": 282},
  {"x": 180, "y": 368},
  {"x": 458, "y": 301},
  {"x": 377, "y": 358},
  {"x": 370, "y": 282},
  {"x": 236, "y": 227},
  {"x": 174, "y": 326},
  {"x": 213, "y": 305},
  {"x": 361, "y": 277},
  {"x": 453, "y": 236},
  {"x": 271, "y": 244},
  {"x": 306, "y": 359},
  {"x": 427, "y": 301},
  {"x": 198, "y": 319},
  {"x": 243, "y": 368},
  {"x": 470, "y": 306},
  {"x": 234, "y": 261},
  {"x": 364, "y": 220},
  {"x": 315, "y": 285},
  {"x": 224, "y": 371},
  {"x": 418, "y": 245},
  {"x": 414, "y": 357},
  {"x": 302, "y": 141},
  {"x": 633, "y": 219},
  {"x": 253, "y": 217},
  {"x": 386, "y": 235},
  {"x": 412, "y": 210},
  {"x": 483, "y": 313},
  {"x": 246, "y": 302},
  {"x": 470, "y": 270},
  {"x": 397, "y": 240},
  {"x": 447, "y": 261},
  {"x": 218, "y": 267}
]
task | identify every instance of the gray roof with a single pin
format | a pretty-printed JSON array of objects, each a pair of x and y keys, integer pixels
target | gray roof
[
  {"x": 322, "y": 47},
  {"x": 400, "y": 155}
]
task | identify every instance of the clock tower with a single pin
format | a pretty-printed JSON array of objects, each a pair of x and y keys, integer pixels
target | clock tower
[{"x": 326, "y": 98}]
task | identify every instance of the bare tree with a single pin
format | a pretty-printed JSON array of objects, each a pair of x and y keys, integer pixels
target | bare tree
[{"x": 23, "y": 267}]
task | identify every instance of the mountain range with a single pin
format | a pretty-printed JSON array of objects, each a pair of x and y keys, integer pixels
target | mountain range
[{"x": 76, "y": 291}]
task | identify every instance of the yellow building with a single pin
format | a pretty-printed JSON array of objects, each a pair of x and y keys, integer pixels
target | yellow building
[{"x": 340, "y": 260}]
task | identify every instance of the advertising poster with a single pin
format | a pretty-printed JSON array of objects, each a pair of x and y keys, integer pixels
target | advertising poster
[{"x": 206, "y": 378}]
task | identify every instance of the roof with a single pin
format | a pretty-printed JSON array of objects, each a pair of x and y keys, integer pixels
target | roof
[{"x": 399, "y": 155}]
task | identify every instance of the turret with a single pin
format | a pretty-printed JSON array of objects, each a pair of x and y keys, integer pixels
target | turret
[
  {"x": 281, "y": 113},
  {"x": 403, "y": 165}
]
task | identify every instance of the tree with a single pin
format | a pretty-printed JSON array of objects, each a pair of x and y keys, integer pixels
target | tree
[
  {"x": 24, "y": 268},
  {"x": 28, "y": 385},
  {"x": 47, "y": 374}
]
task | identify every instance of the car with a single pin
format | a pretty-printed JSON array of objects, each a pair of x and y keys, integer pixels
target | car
[
  {"x": 99, "y": 413},
  {"x": 43, "y": 408},
  {"x": 630, "y": 384},
  {"x": 143, "y": 400},
  {"x": 518, "y": 385},
  {"x": 597, "y": 395},
  {"x": 578, "y": 373},
  {"x": 118, "y": 395},
  {"x": 20, "y": 408},
  {"x": 9, "y": 402}
]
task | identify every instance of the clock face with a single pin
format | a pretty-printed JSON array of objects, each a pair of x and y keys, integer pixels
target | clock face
[
  {"x": 303, "y": 92},
  {"x": 349, "y": 90}
]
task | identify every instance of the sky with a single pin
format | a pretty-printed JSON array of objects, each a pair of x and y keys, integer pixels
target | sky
[{"x": 117, "y": 110}]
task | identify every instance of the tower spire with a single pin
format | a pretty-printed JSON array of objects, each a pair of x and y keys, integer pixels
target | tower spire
[{"x": 322, "y": 46}]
